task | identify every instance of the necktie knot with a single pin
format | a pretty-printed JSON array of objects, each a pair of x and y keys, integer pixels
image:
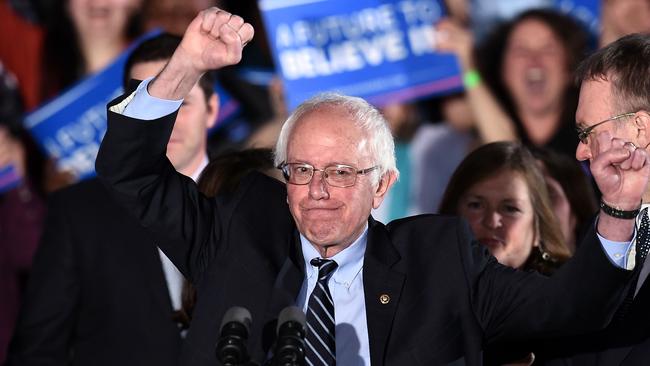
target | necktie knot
[{"x": 325, "y": 268}]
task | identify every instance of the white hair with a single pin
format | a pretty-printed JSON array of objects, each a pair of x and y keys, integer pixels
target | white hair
[{"x": 379, "y": 143}]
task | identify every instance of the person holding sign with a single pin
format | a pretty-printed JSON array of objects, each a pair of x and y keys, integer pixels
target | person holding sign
[
  {"x": 416, "y": 291},
  {"x": 524, "y": 89}
]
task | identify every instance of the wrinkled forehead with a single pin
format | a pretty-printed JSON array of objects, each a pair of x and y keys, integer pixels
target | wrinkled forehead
[{"x": 329, "y": 130}]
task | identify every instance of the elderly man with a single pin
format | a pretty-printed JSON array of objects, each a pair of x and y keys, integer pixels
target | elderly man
[{"x": 417, "y": 291}]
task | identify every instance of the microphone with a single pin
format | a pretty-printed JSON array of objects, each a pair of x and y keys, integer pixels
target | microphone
[
  {"x": 231, "y": 348},
  {"x": 290, "y": 344}
]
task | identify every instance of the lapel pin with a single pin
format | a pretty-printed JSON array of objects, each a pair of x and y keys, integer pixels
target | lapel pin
[{"x": 384, "y": 299}]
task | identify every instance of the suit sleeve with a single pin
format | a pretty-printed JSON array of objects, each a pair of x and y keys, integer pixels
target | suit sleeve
[
  {"x": 132, "y": 163},
  {"x": 581, "y": 296},
  {"x": 48, "y": 315}
]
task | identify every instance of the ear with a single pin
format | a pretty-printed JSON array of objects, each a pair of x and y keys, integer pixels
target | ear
[
  {"x": 213, "y": 111},
  {"x": 642, "y": 124},
  {"x": 385, "y": 182}
]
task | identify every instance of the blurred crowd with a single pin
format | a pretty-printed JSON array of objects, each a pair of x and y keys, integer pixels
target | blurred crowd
[{"x": 501, "y": 153}]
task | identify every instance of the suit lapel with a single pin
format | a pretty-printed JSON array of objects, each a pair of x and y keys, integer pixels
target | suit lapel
[{"x": 382, "y": 289}]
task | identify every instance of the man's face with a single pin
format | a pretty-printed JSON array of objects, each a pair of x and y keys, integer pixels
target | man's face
[
  {"x": 187, "y": 145},
  {"x": 596, "y": 104},
  {"x": 331, "y": 218}
]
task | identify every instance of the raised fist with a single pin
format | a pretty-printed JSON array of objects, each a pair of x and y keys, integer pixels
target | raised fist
[{"x": 214, "y": 39}]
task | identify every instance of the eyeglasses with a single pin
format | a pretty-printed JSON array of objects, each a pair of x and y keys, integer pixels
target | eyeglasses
[
  {"x": 337, "y": 175},
  {"x": 583, "y": 134}
]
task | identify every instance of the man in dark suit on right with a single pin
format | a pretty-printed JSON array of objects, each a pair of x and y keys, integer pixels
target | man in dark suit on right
[
  {"x": 615, "y": 99},
  {"x": 418, "y": 291}
]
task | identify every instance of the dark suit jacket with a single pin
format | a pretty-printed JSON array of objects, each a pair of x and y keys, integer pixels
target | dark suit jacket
[
  {"x": 625, "y": 342},
  {"x": 448, "y": 297},
  {"x": 97, "y": 293}
]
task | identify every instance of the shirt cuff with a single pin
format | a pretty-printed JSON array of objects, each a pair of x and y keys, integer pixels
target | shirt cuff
[
  {"x": 141, "y": 105},
  {"x": 617, "y": 251}
]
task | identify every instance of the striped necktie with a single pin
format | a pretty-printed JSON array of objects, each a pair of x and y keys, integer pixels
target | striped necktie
[
  {"x": 643, "y": 242},
  {"x": 321, "y": 347},
  {"x": 641, "y": 251}
]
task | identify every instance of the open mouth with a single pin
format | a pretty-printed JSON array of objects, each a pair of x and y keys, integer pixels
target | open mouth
[{"x": 535, "y": 80}]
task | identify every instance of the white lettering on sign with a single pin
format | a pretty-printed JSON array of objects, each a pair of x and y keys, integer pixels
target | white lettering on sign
[{"x": 348, "y": 42}]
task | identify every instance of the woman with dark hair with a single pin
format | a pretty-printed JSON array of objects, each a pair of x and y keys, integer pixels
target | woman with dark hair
[
  {"x": 84, "y": 36},
  {"x": 528, "y": 65},
  {"x": 500, "y": 189},
  {"x": 536, "y": 56}
]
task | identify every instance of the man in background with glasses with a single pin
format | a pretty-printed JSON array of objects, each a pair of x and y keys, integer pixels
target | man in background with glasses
[
  {"x": 614, "y": 111},
  {"x": 419, "y": 290}
]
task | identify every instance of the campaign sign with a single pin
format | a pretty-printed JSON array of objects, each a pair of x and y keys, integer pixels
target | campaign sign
[
  {"x": 71, "y": 127},
  {"x": 228, "y": 106},
  {"x": 586, "y": 11},
  {"x": 9, "y": 178},
  {"x": 380, "y": 50}
]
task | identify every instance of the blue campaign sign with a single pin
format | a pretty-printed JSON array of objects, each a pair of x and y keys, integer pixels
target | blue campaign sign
[
  {"x": 586, "y": 11},
  {"x": 71, "y": 127},
  {"x": 228, "y": 107},
  {"x": 381, "y": 50},
  {"x": 9, "y": 178}
]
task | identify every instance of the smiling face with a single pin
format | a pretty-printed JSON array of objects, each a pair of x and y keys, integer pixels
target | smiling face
[
  {"x": 187, "y": 144},
  {"x": 331, "y": 218},
  {"x": 501, "y": 215},
  {"x": 535, "y": 68}
]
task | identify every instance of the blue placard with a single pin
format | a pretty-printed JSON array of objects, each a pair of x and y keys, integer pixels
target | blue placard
[
  {"x": 9, "y": 178},
  {"x": 229, "y": 107},
  {"x": 585, "y": 11},
  {"x": 70, "y": 127},
  {"x": 380, "y": 50}
]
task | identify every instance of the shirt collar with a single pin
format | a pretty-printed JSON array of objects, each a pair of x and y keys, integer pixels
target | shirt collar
[
  {"x": 349, "y": 260},
  {"x": 197, "y": 173}
]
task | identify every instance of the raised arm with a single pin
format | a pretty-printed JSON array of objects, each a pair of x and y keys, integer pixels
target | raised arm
[
  {"x": 621, "y": 172},
  {"x": 490, "y": 119},
  {"x": 132, "y": 158}
]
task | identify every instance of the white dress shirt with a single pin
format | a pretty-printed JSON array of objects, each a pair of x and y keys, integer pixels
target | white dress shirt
[{"x": 346, "y": 288}]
